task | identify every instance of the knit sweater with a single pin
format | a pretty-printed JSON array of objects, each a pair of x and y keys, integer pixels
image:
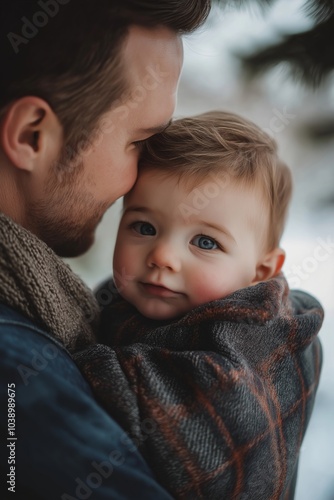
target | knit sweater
[
  {"x": 38, "y": 284},
  {"x": 218, "y": 401}
]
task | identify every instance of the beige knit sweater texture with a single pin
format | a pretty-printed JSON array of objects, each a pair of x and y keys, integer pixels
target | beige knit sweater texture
[{"x": 38, "y": 284}]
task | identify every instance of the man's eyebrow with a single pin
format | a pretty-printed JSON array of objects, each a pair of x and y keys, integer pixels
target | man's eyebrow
[
  {"x": 217, "y": 227},
  {"x": 156, "y": 130}
]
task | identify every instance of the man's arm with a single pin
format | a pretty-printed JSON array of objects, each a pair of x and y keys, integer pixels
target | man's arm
[{"x": 66, "y": 446}]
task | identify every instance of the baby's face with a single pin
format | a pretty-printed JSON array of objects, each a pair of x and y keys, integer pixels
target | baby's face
[{"x": 178, "y": 247}]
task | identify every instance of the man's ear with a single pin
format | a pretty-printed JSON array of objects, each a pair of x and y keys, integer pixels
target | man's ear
[
  {"x": 270, "y": 265},
  {"x": 30, "y": 133}
]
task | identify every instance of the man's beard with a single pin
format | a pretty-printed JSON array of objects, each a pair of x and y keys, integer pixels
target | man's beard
[
  {"x": 67, "y": 216},
  {"x": 66, "y": 225}
]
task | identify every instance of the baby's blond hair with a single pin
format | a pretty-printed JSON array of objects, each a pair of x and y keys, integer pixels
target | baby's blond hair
[{"x": 222, "y": 142}]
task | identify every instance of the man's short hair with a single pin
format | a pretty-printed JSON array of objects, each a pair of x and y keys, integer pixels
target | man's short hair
[{"x": 67, "y": 52}]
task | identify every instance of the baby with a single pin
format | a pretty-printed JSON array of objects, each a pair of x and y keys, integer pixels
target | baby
[
  {"x": 204, "y": 218},
  {"x": 204, "y": 356}
]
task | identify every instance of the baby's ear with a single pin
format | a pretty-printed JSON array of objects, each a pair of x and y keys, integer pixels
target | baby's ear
[{"x": 270, "y": 265}]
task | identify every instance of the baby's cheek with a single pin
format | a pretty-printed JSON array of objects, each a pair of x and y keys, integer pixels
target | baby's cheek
[
  {"x": 207, "y": 286},
  {"x": 124, "y": 260}
]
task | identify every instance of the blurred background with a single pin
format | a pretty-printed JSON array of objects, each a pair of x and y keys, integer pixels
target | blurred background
[{"x": 227, "y": 66}]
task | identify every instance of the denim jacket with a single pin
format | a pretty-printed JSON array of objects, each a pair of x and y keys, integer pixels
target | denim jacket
[{"x": 58, "y": 443}]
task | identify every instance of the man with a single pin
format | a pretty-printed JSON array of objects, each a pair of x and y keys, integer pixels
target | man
[{"x": 82, "y": 84}]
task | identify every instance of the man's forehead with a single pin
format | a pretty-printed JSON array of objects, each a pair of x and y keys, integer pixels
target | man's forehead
[
  {"x": 157, "y": 51},
  {"x": 156, "y": 39}
]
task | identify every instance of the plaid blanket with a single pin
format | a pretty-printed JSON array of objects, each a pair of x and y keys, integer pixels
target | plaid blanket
[{"x": 218, "y": 402}]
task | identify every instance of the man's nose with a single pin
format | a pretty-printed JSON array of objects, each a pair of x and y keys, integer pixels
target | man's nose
[{"x": 163, "y": 256}]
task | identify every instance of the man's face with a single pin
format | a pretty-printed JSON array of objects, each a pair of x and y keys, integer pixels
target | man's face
[
  {"x": 68, "y": 207},
  {"x": 178, "y": 248}
]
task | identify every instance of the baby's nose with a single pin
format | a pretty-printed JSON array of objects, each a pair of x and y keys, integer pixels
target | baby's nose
[{"x": 164, "y": 256}]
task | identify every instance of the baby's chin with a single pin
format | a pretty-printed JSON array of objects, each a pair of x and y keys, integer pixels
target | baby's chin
[{"x": 162, "y": 312}]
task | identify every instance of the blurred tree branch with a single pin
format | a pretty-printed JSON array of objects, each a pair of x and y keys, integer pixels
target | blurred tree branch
[{"x": 310, "y": 54}]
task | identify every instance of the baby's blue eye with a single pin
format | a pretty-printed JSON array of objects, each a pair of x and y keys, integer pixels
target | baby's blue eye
[
  {"x": 144, "y": 228},
  {"x": 205, "y": 243}
]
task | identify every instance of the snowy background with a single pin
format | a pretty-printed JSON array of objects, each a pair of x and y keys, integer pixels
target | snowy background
[{"x": 212, "y": 79}]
